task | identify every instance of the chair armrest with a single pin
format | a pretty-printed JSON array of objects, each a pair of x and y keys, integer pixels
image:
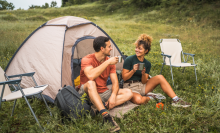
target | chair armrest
[
  {"x": 189, "y": 54},
  {"x": 39, "y": 86},
  {"x": 20, "y": 75},
  {"x": 17, "y": 81},
  {"x": 169, "y": 56}
]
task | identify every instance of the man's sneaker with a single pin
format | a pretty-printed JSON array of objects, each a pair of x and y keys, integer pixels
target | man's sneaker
[
  {"x": 94, "y": 111},
  {"x": 107, "y": 118},
  {"x": 156, "y": 95},
  {"x": 181, "y": 103}
]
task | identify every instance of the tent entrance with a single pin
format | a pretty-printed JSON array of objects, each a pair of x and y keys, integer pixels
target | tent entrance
[{"x": 82, "y": 47}]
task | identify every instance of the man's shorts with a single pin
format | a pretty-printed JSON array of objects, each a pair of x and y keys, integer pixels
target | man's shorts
[
  {"x": 136, "y": 87},
  {"x": 104, "y": 96}
]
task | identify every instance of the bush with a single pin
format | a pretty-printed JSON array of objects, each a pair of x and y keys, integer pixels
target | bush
[
  {"x": 74, "y": 2},
  {"x": 106, "y": 1},
  {"x": 113, "y": 6},
  {"x": 10, "y": 17},
  {"x": 36, "y": 18},
  {"x": 146, "y": 3}
]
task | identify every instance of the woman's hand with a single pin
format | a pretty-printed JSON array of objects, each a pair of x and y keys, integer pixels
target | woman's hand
[
  {"x": 143, "y": 71},
  {"x": 135, "y": 67}
]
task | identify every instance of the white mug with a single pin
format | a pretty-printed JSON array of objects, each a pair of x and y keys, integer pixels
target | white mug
[{"x": 119, "y": 59}]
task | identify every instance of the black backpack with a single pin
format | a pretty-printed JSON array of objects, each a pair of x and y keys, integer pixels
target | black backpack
[{"x": 71, "y": 103}]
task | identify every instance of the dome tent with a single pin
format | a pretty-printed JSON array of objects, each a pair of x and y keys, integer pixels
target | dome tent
[{"x": 54, "y": 52}]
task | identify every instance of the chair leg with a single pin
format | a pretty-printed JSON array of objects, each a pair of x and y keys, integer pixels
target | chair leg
[
  {"x": 195, "y": 72},
  {"x": 13, "y": 107},
  {"x": 161, "y": 69},
  {"x": 1, "y": 96},
  {"x": 172, "y": 74},
  {"x": 46, "y": 104},
  {"x": 183, "y": 69},
  {"x": 0, "y": 102},
  {"x": 33, "y": 113}
]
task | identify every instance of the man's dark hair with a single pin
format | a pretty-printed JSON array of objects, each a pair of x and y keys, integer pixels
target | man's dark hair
[{"x": 99, "y": 42}]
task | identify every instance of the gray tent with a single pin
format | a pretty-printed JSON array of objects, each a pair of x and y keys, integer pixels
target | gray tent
[{"x": 54, "y": 51}]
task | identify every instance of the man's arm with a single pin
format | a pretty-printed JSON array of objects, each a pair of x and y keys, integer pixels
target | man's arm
[
  {"x": 92, "y": 73},
  {"x": 115, "y": 87}
]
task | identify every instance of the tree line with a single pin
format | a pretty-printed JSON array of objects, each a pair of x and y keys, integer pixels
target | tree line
[
  {"x": 46, "y": 5},
  {"x": 140, "y": 3},
  {"x": 4, "y": 5}
]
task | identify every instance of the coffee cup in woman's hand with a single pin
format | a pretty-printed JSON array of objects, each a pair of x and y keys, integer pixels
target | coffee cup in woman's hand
[{"x": 140, "y": 66}]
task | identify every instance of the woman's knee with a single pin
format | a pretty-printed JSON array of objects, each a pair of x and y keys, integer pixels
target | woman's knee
[
  {"x": 160, "y": 77},
  {"x": 137, "y": 100},
  {"x": 128, "y": 93}
]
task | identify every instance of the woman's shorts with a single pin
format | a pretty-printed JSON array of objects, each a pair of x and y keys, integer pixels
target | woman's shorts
[
  {"x": 136, "y": 87},
  {"x": 104, "y": 96}
]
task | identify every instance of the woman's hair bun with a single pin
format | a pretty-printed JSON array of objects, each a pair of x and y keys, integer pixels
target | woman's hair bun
[{"x": 145, "y": 37}]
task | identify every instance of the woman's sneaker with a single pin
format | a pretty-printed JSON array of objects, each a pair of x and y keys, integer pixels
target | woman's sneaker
[
  {"x": 181, "y": 103},
  {"x": 107, "y": 118},
  {"x": 155, "y": 95}
]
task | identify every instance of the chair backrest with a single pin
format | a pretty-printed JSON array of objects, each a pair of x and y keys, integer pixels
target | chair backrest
[
  {"x": 171, "y": 47},
  {"x": 2, "y": 79}
]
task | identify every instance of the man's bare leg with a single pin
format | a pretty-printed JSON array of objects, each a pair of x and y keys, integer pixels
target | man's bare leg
[{"x": 91, "y": 89}]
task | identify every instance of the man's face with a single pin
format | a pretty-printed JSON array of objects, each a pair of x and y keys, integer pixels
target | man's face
[{"x": 107, "y": 49}]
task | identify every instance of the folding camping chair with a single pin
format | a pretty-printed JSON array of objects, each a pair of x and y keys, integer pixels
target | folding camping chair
[
  {"x": 7, "y": 95},
  {"x": 172, "y": 49}
]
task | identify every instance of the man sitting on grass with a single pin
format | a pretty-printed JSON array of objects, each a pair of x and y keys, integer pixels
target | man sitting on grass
[{"x": 95, "y": 70}]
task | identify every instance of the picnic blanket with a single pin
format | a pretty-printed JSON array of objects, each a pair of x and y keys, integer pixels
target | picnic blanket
[{"x": 122, "y": 109}]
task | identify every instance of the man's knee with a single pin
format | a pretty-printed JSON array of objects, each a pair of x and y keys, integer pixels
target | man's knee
[{"x": 90, "y": 85}]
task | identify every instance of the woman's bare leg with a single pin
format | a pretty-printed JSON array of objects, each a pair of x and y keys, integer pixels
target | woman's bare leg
[
  {"x": 123, "y": 96},
  {"x": 159, "y": 80},
  {"x": 138, "y": 99}
]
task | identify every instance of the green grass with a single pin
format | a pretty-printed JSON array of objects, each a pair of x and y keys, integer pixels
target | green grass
[{"x": 198, "y": 29}]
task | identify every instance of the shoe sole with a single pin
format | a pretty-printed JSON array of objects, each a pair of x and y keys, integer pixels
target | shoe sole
[
  {"x": 156, "y": 95},
  {"x": 117, "y": 130},
  {"x": 184, "y": 106}
]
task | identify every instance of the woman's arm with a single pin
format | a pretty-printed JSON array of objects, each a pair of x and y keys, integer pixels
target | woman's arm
[
  {"x": 144, "y": 76},
  {"x": 127, "y": 74}
]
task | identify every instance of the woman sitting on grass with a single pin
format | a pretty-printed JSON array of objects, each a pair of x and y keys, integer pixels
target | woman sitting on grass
[{"x": 137, "y": 80}]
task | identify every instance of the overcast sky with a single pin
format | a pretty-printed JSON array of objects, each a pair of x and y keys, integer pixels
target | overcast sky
[{"x": 24, "y": 4}]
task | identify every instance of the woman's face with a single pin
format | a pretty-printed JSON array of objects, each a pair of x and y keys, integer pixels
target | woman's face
[{"x": 140, "y": 51}]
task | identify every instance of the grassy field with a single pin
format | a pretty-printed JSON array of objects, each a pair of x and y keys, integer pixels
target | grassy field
[{"x": 198, "y": 29}]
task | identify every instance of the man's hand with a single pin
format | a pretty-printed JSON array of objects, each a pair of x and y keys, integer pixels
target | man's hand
[
  {"x": 113, "y": 60},
  {"x": 111, "y": 102}
]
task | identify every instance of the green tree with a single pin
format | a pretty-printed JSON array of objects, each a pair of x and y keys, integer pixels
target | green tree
[
  {"x": 34, "y": 7},
  {"x": 53, "y": 4},
  {"x": 64, "y": 3},
  {"x": 4, "y": 5},
  {"x": 45, "y": 6}
]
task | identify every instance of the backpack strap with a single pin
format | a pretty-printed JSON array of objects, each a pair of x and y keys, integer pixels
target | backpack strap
[
  {"x": 62, "y": 101},
  {"x": 73, "y": 91}
]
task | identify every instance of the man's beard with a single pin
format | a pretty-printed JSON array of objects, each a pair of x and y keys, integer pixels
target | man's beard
[{"x": 107, "y": 54}]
